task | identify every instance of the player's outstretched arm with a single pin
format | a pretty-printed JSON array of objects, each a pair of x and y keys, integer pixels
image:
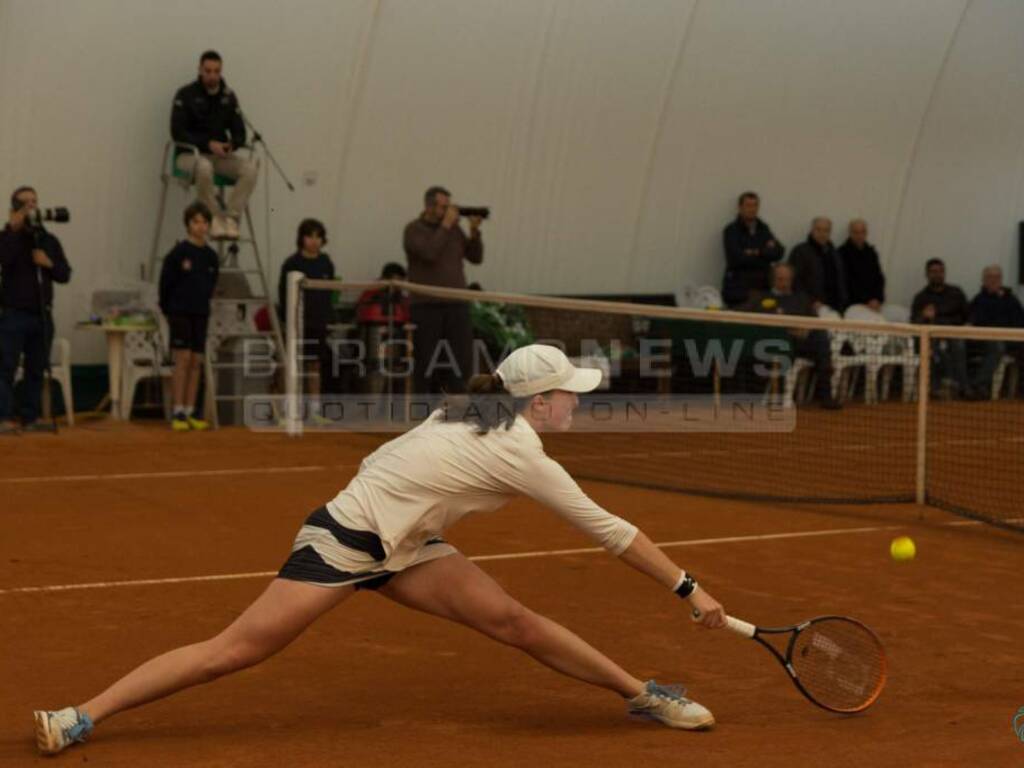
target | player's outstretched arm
[{"x": 642, "y": 555}]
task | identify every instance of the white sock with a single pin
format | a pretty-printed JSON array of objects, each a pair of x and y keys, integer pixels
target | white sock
[
  {"x": 178, "y": 408},
  {"x": 188, "y": 411}
]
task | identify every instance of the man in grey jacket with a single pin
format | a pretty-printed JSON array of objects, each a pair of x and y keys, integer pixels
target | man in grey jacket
[{"x": 436, "y": 247}]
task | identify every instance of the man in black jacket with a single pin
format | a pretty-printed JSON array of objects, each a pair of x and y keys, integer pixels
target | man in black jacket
[
  {"x": 818, "y": 268},
  {"x": 206, "y": 115},
  {"x": 31, "y": 261},
  {"x": 994, "y": 307},
  {"x": 865, "y": 283},
  {"x": 750, "y": 249},
  {"x": 940, "y": 303}
]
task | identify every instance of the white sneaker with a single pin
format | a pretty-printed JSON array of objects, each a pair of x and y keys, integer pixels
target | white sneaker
[
  {"x": 55, "y": 731},
  {"x": 231, "y": 231},
  {"x": 219, "y": 227},
  {"x": 666, "y": 704}
]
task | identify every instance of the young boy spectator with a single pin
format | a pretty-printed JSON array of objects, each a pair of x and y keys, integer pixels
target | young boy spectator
[
  {"x": 318, "y": 312},
  {"x": 187, "y": 282}
]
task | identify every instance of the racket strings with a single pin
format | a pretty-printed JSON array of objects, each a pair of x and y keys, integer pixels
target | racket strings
[{"x": 840, "y": 664}]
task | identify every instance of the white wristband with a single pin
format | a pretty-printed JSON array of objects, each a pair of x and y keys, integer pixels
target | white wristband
[{"x": 679, "y": 583}]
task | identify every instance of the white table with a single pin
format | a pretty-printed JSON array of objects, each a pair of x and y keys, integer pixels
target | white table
[{"x": 115, "y": 357}]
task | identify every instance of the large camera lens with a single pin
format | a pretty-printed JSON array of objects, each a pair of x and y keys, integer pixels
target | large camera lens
[
  {"x": 475, "y": 210},
  {"x": 59, "y": 215}
]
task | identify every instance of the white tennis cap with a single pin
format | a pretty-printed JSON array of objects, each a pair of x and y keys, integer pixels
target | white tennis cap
[{"x": 538, "y": 368}]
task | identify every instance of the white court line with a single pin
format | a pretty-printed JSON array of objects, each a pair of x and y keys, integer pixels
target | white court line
[
  {"x": 476, "y": 558},
  {"x": 575, "y": 458},
  {"x": 175, "y": 474},
  {"x": 637, "y": 455}
]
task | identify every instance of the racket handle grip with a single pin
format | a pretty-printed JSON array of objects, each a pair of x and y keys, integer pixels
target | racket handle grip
[{"x": 740, "y": 627}]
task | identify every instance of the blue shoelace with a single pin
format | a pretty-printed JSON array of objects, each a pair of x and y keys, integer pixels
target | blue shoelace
[
  {"x": 81, "y": 729},
  {"x": 673, "y": 692}
]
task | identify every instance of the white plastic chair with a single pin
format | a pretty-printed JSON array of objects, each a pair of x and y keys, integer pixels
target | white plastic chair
[
  {"x": 707, "y": 297},
  {"x": 796, "y": 386},
  {"x": 60, "y": 371},
  {"x": 687, "y": 296},
  {"x": 863, "y": 313},
  {"x": 844, "y": 367},
  {"x": 883, "y": 353},
  {"x": 143, "y": 359},
  {"x": 1006, "y": 365}
]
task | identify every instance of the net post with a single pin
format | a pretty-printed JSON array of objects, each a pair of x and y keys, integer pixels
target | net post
[
  {"x": 924, "y": 376},
  {"x": 292, "y": 417}
]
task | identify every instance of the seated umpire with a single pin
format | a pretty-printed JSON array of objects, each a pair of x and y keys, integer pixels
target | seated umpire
[
  {"x": 31, "y": 261},
  {"x": 206, "y": 114}
]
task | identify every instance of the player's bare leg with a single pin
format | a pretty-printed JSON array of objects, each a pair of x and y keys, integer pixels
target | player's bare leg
[
  {"x": 278, "y": 616},
  {"x": 454, "y": 588},
  {"x": 274, "y": 619}
]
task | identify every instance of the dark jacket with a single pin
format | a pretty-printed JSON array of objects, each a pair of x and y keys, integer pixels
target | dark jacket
[
  {"x": 950, "y": 305},
  {"x": 198, "y": 117},
  {"x": 996, "y": 310},
  {"x": 818, "y": 272},
  {"x": 188, "y": 279},
  {"x": 20, "y": 278},
  {"x": 769, "y": 302},
  {"x": 746, "y": 272},
  {"x": 317, "y": 310},
  {"x": 864, "y": 278},
  {"x": 435, "y": 255}
]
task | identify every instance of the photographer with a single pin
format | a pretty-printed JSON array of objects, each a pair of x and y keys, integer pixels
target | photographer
[
  {"x": 436, "y": 247},
  {"x": 31, "y": 261}
]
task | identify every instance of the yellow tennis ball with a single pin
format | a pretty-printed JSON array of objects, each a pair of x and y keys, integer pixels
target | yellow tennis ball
[{"x": 902, "y": 548}]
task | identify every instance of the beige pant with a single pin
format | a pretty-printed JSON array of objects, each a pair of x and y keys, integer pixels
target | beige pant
[{"x": 242, "y": 170}]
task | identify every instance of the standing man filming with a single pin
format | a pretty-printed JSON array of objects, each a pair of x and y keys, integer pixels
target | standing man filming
[
  {"x": 436, "y": 247},
  {"x": 31, "y": 261},
  {"x": 206, "y": 115}
]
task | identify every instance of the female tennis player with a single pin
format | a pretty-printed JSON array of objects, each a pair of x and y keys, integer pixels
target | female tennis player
[{"x": 382, "y": 532}]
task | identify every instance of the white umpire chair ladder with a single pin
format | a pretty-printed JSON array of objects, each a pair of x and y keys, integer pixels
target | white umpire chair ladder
[{"x": 242, "y": 289}]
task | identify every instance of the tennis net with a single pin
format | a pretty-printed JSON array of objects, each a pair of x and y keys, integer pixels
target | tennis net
[{"x": 730, "y": 404}]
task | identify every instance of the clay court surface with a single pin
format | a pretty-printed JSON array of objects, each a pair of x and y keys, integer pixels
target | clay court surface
[{"x": 373, "y": 684}]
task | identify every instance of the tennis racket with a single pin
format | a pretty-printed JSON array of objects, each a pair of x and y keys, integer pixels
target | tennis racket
[{"x": 836, "y": 662}]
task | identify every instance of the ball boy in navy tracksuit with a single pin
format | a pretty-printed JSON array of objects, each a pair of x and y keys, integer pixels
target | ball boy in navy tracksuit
[{"x": 187, "y": 282}]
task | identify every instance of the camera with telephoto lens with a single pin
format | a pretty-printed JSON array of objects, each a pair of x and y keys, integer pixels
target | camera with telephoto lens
[
  {"x": 475, "y": 210},
  {"x": 58, "y": 215}
]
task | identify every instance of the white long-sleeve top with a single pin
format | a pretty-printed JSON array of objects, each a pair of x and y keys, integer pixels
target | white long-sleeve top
[{"x": 414, "y": 487}]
